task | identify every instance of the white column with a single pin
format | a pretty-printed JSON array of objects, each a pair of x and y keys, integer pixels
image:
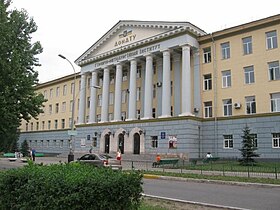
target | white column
[
  {"x": 166, "y": 89},
  {"x": 82, "y": 100},
  {"x": 148, "y": 97},
  {"x": 132, "y": 90},
  {"x": 92, "y": 108},
  {"x": 186, "y": 82},
  {"x": 105, "y": 95},
  {"x": 118, "y": 93}
]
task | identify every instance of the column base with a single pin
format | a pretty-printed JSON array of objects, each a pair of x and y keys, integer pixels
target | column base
[
  {"x": 164, "y": 116},
  {"x": 147, "y": 118},
  {"x": 186, "y": 114},
  {"x": 131, "y": 119}
]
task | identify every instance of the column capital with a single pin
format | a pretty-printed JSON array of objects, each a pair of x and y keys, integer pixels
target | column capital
[
  {"x": 165, "y": 50},
  {"x": 186, "y": 46}
]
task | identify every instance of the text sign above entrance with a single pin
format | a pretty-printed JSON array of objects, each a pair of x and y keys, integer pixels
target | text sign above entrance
[{"x": 128, "y": 55}]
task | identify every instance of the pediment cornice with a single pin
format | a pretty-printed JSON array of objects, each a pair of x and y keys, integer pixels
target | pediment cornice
[{"x": 170, "y": 29}]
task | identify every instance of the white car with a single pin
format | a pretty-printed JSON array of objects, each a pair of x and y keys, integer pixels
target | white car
[{"x": 100, "y": 160}]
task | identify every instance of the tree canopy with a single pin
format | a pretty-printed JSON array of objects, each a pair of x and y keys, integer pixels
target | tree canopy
[
  {"x": 248, "y": 150},
  {"x": 18, "y": 79}
]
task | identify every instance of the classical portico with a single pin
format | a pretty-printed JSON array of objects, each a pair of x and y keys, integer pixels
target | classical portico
[{"x": 158, "y": 46}]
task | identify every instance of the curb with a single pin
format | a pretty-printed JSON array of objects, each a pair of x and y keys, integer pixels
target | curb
[
  {"x": 171, "y": 178},
  {"x": 193, "y": 202}
]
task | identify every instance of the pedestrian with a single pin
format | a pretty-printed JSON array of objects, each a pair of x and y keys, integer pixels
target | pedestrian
[
  {"x": 33, "y": 152},
  {"x": 119, "y": 155},
  {"x": 156, "y": 163},
  {"x": 209, "y": 155}
]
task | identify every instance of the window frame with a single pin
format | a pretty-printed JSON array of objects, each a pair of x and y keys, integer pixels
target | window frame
[
  {"x": 207, "y": 55},
  {"x": 226, "y": 79},
  {"x": 207, "y": 82},
  {"x": 228, "y": 141},
  {"x": 225, "y": 47},
  {"x": 250, "y": 73},
  {"x": 247, "y": 45}
]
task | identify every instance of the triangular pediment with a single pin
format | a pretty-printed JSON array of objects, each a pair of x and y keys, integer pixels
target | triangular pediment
[{"x": 128, "y": 34}]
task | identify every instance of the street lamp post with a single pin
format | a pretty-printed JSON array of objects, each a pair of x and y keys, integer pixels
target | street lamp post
[{"x": 71, "y": 154}]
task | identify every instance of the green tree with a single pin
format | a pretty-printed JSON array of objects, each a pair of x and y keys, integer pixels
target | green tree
[
  {"x": 248, "y": 150},
  {"x": 18, "y": 79}
]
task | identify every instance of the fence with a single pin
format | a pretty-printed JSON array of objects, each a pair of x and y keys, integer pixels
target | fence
[{"x": 272, "y": 172}]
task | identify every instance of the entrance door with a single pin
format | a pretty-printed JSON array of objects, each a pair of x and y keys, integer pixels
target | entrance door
[
  {"x": 136, "y": 145},
  {"x": 121, "y": 143},
  {"x": 107, "y": 144}
]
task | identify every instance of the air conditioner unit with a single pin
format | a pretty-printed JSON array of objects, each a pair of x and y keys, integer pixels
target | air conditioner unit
[
  {"x": 237, "y": 105},
  {"x": 159, "y": 84}
]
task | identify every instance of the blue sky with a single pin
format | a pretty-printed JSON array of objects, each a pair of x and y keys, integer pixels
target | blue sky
[{"x": 70, "y": 27}]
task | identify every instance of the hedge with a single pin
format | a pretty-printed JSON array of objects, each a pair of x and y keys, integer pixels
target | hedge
[{"x": 69, "y": 186}]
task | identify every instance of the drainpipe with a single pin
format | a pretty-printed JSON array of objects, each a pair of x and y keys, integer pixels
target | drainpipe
[{"x": 215, "y": 97}]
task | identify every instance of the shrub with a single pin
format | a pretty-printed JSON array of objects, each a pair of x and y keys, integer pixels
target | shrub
[{"x": 69, "y": 186}]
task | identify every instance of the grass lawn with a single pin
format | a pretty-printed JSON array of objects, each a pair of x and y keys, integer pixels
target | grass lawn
[{"x": 262, "y": 167}]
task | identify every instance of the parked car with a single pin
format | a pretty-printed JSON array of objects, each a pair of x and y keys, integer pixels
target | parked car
[{"x": 100, "y": 160}]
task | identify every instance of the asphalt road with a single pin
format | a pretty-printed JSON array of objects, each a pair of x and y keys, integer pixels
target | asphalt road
[{"x": 247, "y": 197}]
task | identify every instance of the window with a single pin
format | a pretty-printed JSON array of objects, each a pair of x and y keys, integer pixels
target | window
[
  {"x": 42, "y": 143},
  {"x": 54, "y": 143},
  {"x": 271, "y": 40},
  {"x": 51, "y": 93},
  {"x": 71, "y": 106},
  {"x": 57, "y": 91},
  {"x": 138, "y": 93},
  {"x": 72, "y": 87},
  {"x": 64, "y": 90},
  {"x": 207, "y": 82},
  {"x": 171, "y": 88},
  {"x": 154, "y": 67},
  {"x": 249, "y": 74},
  {"x": 63, "y": 108},
  {"x": 98, "y": 117},
  {"x": 48, "y": 143},
  {"x": 208, "y": 109},
  {"x": 94, "y": 141},
  {"x": 250, "y": 105},
  {"x": 61, "y": 143},
  {"x": 50, "y": 109},
  {"x": 138, "y": 114},
  {"x": 124, "y": 77},
  {"x": 111, "y": 98},
  {"x": 99, "y": 100},
  {"x": 31, "y": 126},
  {"x": 207, "y": 55},
  {"x": 26, "y": 126},
  {"x": 247, "y": 45},
  {"x": 226, "y": 78},
  {"x": 37, "y": 126},
  {"x": 227, "y": 107},
  {"x": 43, "y": 125},
  {"x": 154, "y": 91},
  {"x": 228, "y": 141},
  {"x": 275, "y": 102},
  {"x": 275, "y": 140},
  {"x": 45, "y": 94},
  {"x": 274, "y": 71},
  {"x": 225, "y": 50},
  {"x": 254, "y": 140},
  {"x": 154, "y": 142},
  {"x": 56, "y": 107},
  {"x": 62, "y": 123},
  {"x": 88, "y": 102},
  {"x": 138, "y": 71},
  {"x": 88, "y": 82},
  {"x": 123, "y": 116},
  {"x": 70, "y": 123},
  {"x": 49, "y": 124},
  {"x": 55, "y": 124},
  {"x": 124, "y": 96},
  {"x": 154, "y": 112}
]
